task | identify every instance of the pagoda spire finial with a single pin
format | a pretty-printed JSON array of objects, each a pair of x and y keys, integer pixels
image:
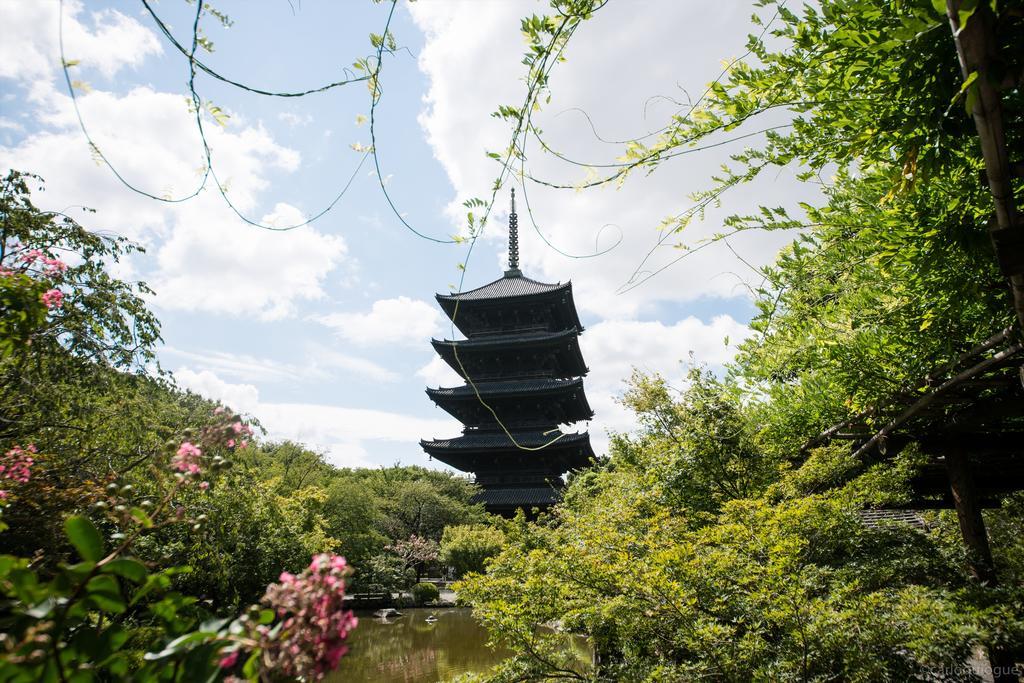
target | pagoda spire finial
[{"x": 513, "y": 240}]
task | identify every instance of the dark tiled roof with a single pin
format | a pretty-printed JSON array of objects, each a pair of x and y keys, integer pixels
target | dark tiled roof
[
  {"x": 519, "y": 496},
  {"x": 498, "y": 440},
  {"x": 508, "y": 286},
  {"x": 507, "y": 340},
  {"x": 515, "y": 386},
  {"x": 875, "y": 518}
]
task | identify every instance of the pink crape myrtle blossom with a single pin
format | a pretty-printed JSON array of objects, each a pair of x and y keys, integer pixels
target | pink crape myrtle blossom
[
  {"x": 314, "y": 623},
  {"x": 53, "y": 298},
  {"x": 16, "y": 466},
  {"x": 31, "y": 256},
  {"x": 187, "y": 458},
  {"x": 240, "y": 428},
  {"x": 53, "y": 266},
  {"x": 229, "y": 661}
]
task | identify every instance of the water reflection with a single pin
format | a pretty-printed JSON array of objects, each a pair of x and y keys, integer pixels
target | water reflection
[{"x": 409, "y": 649}]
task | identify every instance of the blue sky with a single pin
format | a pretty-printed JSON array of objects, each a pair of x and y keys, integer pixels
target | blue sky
[{"x": 323, "y": 332}]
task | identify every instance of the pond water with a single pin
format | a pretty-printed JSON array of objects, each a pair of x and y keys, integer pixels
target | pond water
[{"x": 408, "y": 649}]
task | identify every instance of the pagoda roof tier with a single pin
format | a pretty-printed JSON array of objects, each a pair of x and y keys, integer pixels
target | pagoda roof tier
[
  {"x": 512, "y": 303},
  {"x": 516, "y": 402},
  {"x": 517, "y": 356},
  {"x": 509, "y": 286},
  {"x": 484, "y": 451},
  {"x": 507, "y": 500}
]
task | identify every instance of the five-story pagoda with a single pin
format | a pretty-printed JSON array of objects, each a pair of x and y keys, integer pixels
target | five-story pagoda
[{"x": 524, "y": 373}]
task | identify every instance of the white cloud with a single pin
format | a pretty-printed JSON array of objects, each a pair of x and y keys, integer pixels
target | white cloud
[
  {"x": 30, "y": 50},
  {"x": 613, "y": 348},
  {"x": 389, "y": 321},
  {"x": 243, "y": 398},
  {"x": 208, "y": 259},
  {"x": 237, "y": 269},
  {"x": 324, "y": 359},
  {"x": 319, "y": 362},
  {"x": 292, "y": 119},
  {"x": 437, "y": 373},
  {"x": 632, "y": 51},
  {"x": 349, "y": 436}
]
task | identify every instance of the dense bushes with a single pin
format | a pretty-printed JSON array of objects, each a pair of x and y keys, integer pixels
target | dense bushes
[
  {"x": 425, "y": 593},
  {"x": 467, "y": 548}
]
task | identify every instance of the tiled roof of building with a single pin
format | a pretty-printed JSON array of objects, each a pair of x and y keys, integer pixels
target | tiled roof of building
[
  {"x": 514, "y": 386},
  {"x": 497, "y": 440},
  {"x": 875, "y": 518},
  {"x": 507, "y": 340},
  {"x": 519, "y": 496},
  {"x": 508, "y": 286}
]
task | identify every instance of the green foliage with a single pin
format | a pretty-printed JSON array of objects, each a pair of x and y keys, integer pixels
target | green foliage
[
  {"x": 709, "y": 545},
  {"x": 467, "y": 548},
  {"x": 702, "y": 446},
  {"x": 385, "y": 573},
  {"x": 768, "y": 587},
  {"x": 425, "y": 593},
  {"x": 364, "y": 511}
]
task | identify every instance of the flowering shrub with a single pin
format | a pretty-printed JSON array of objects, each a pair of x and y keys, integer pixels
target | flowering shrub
[
  {"x": 16, "y": 466},
  {"x": 416, "y": 552},
  {"x": 74, "y": 625},
  {"x": 96, "y": 601},
  {"x": 309, "y": 639}
]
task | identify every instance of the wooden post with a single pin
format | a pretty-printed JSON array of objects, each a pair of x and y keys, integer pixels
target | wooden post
[
  {"x": 976, "y": 48},
  {"x": 968, "y": 512},
  {"x": 979, "y": 553}
]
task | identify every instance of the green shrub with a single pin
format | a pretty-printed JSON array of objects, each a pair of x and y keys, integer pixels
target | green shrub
[
  {"x": 423, "y": 593},
  {"x": 467, "y": 547}
]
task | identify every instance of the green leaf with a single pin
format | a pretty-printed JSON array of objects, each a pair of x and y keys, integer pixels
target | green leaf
[
  {"x": 85, "y": 537},
  {"x": 251, "y": 668},
  {"x": 9, "y": 562},
  {"x": 177, "y": 645},
  {"x": 153, "y": 582},
  {"x": 105, "y": 593},
  {"x": 141, "y": 516},
  {"x": 127, "y": 568}
]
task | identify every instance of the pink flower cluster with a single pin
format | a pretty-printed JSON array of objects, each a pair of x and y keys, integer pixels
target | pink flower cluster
[
  {"x": 241, "y": 430},
  {"x": 187, "y": 458},
  {"x": 51, "y": 266},
  {"x": 314, "y": 622},
  {"x": 53, "y": 298},
  {"x": 16, "y": 465}
]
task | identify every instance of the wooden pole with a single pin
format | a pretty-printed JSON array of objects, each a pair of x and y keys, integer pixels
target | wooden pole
[
  {"x": 979, "y": 553},
  {"x": 976, "y": 49},
  {"x": 968, "y": 513}
]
